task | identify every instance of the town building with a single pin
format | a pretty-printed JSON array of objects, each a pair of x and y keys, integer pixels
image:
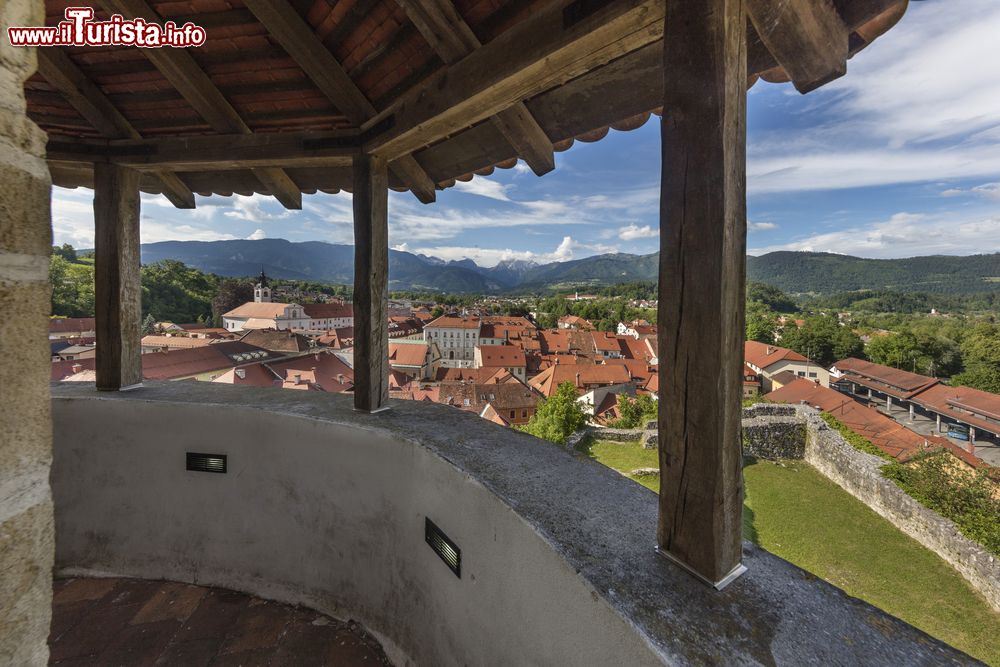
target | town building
[
  {"x": 457, "y": 337},
  {"x": 769, "y": 360},
  {"x": 508, "y": 357}
]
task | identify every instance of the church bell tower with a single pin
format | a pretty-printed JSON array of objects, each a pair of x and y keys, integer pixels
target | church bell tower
[{"x": 261, "y": 292}]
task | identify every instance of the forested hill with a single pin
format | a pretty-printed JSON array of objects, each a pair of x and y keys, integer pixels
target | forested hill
[
  {"x": 792, "y": 272},
  {"x": 826, "y": 273}
]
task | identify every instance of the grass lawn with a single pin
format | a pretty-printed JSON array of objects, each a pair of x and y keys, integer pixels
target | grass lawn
[{"x": 795, "y": 512}]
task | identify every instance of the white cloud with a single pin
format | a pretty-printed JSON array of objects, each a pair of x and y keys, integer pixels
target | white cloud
[
  {"x": 566, "y": 250},
  {"x": 484, "y": 187},
  {"x": 521, "y": 168},
  {"x": 258, "y": 235},
  {"x": 402, "y": 247},
  {"x": 761, "y": 226},
  {"x": 988, "y": 190},
  {"x": 255, "y": 208},
  {"x": 924, "y": 82},
  {"x": 904, "y": 235},
  {"x": 633, "y": 232}
]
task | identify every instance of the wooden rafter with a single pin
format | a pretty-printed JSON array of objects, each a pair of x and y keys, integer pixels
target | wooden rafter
[
  {"x": 180, "y": 69},
  {"x": 807, "y": 38},
  {"x": 559, "y": 43},
  {"x": 452, "y": 38},
  {"x": 230, "y": 151},
  {"x": 63, "y": 75},
  {"x": 301, "y": 43}
]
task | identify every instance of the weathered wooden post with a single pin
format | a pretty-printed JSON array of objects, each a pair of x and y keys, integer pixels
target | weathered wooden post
[
  {"x": 701, "y": 309},
  {"x": 371, "y": 283},
  {"x": 118, "y": 295}
]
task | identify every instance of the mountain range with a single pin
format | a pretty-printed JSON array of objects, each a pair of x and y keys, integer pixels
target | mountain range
[{"x": 793, "y": 272}]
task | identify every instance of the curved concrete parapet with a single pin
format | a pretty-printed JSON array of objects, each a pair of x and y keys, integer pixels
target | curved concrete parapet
[{"x": 326, "y": 507}]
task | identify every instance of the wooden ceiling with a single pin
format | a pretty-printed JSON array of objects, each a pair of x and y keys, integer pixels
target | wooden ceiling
[{"x": 283, "y": 93}]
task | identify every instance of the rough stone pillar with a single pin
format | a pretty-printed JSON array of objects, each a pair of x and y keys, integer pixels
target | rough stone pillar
[{"x": 26, "y": 529}]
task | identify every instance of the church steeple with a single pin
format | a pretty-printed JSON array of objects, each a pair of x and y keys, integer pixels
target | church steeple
[{"x": 261, "y": 292}]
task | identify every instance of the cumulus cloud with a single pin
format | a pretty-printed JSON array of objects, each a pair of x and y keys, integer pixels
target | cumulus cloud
[
  {"x": 911, "y": 110},
  {"x": 566, "y": 250},
  {"x": 484, "y": 187},
  {"x": 633, "y": 232},
  {"x": 402, "y": 247},
  {"x": 256, "y": 208},
  {"x": 904, "y": 235},
  {"x": 257, "y": 235}
]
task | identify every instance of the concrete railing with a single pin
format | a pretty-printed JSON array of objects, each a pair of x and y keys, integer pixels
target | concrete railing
[{"x": 326, "y": 507}]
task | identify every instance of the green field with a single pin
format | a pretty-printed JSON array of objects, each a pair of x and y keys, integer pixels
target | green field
[{"x": 798, "y": 514}]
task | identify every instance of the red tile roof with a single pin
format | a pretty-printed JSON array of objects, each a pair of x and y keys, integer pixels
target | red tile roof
[
  {"x": 324, "y": 311},
  {"x": 583, "y": 376},
  {"x": 958, "y": 402},
  {"x": 502, "y": 356},
  {"x": 763, "y": 355},
  {"x": 893, "y": 381},
  {"x": 58, "y": 325},
  {"x": 455, "y": 322},
  {"x": 412, "y": 355},
  {"x": 885, "y": 433}
]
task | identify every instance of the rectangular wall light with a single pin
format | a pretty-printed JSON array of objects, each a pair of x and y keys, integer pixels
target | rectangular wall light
[
  {"x": 447, "y": 550},
  {"x": 206, "y": 462}
]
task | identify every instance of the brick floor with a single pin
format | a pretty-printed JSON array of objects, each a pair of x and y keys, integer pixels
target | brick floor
[{"x": 127, "y": 622}]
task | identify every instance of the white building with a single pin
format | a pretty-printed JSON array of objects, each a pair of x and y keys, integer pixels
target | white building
[
  {"x": 264, "y": 314},
  {"x": 457, "y": 337}
]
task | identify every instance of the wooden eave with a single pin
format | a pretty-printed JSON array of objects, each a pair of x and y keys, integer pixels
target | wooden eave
[{"x": 282, "y": 122}]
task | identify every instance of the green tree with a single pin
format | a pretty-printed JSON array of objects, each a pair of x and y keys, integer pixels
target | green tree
[
  {"x": 557, "y": 417},
  {"x": 770, "y": 296},
  {"x": 149, "y": 325},
  {"x": 174, "y": 292},
  {"x": 72, "y": 287},
  {"x": 981, "y": 354},
  {"x": 761, "y": 322},
  {"x": 231, "y": 293},
  {"x": 66, "y": 251}
]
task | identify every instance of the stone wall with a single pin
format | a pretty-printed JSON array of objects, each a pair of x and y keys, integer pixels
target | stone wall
[
  {"x": 860, "y": 474},
  {"x": 26, "y": 532},
  {"x": 773, "y": 432}
]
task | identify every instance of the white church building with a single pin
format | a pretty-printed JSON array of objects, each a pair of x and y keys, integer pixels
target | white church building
[{"x": 263, "y": 313}]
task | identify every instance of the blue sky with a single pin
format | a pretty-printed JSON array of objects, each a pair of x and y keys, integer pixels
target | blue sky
[{"x": 899, "y": 158}]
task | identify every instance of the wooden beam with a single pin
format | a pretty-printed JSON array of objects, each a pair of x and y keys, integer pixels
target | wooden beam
[
  {"x": 297, "y": 38},
  {"x": 371, "y": 284},
  {"x": 452, "y": 38},
  {"x": 702, "y": 263},
  {"x": 87, "y": 98},
  {"x": 117, "y": 294},
  {"x": 560, "y": 42},
  {"x": 806, "y": 37},
  {"x": 180, "y": 69},
  {"x": 223, "y": 152}
]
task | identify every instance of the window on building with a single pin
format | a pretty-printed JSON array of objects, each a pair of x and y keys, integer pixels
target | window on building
[
  {"x": 511, "y": 414},
  {"x": 802, "y": 373},
  {"x": 524, "y": 413},
  {"x": 812, "y": 375}
]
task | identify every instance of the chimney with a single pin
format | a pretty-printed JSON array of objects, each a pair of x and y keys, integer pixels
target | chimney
[
  {"x": 76, "y": 368},
  {"x": 341, "y": 378},
  {"x": 770, "y": 350},
  {"x": 578, "y": 384},
  {"x": 241, "y": 373},
  {"x": 297, "y": 378}
]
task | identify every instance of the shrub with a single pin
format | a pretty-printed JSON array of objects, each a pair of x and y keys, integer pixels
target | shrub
[
  {"x": 853, "y": 438},
  {"x": 970, "y": 500}
]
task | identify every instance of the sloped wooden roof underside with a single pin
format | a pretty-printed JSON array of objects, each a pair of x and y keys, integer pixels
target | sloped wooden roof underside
[{"x": 253, "y": 80}]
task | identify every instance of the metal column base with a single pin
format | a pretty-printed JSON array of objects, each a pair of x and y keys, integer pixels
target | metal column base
[{"x": 729, "y": 578}]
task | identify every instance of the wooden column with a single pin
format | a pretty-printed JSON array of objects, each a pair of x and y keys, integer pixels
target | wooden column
[
  {"x": 371, "y": 284},
  {"x": 701, "y": 307},
  {"x": 118, "y": 296}
]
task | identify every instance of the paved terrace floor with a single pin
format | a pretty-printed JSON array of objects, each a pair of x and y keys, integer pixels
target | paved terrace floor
[{"x": 139, "y": 622}]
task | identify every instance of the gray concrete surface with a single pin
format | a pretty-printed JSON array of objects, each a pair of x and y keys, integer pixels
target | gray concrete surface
[{"x": 325, "y": 506}]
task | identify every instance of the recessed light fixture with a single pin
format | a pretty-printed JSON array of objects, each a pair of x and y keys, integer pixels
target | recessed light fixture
[
  {"x": 442, "y": 545},
  {"x": 206, "y": 462}
]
